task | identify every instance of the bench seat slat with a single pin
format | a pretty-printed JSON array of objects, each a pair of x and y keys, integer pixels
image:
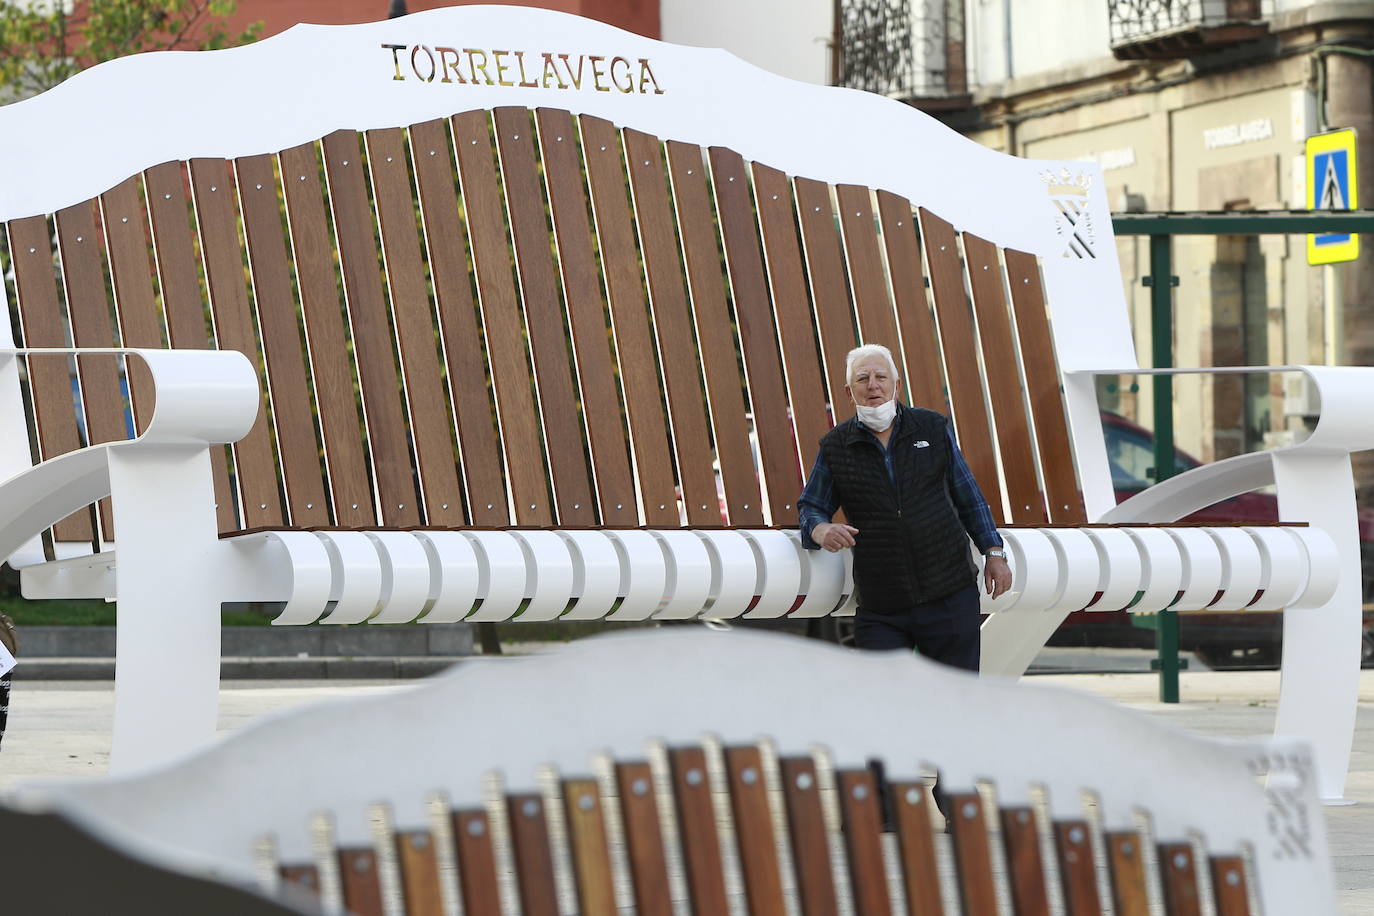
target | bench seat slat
[
  {"x": 182, "y": 302},
  {"x": 601, "y": 402},
  {"x": 925, "y": 380},
  {"x": 281, "y": 340},
  {"x": 1025, "y": 868},
  {"x": 419, "y": 866},
  {"x": 972, "y": 856},
  {"x": 696, "y": 823},
  {"x": 88, "y": 309},
  {"x": 811, "y": 862},
  {"x": 413, "y": 319},
  {"x": 782, "y": 476},
  {"x": 543, "y": 316},
  {"x": 529, "y": 833},
  {"x": 1004, "y": 382},
  {"x": 1126, "y": 868},
  {"x": 829, "y": 293},
  {"x": 587, "y": 839},
  {"x": 673, "y": 328},
  {"x": 360, "y": 875},
  {"x": 724, "y": 385},
  {"x": 634, "y": 341},
  {"x": 1179, "y": 879},
  {"x": 1229, "y": 886},
  {"x": 861, "y": 815},
  {"x": 643, "y": 839},
  {"x": 916, "y": 849},
  {"x": 1077, "y": 876},
  {"x": 754, "y": 839},
  {"x": 957, "y": 338},
  {"x": 331, "y": 370},
  {"x": 806, "y": 389},
  {"x": 472, "y": 846},
  {"x": 254, "y": 465},
  {"x": 447, "y": 251},
  {"x": 1042, "y": 384},
  {"x": 372, "y": 334},
  {"x": 140, "y": 323},
  {"x": 41, "y": 321}
]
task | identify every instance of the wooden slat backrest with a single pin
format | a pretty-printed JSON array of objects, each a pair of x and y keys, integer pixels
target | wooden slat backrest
[
  {"x": 508, "y": 317},
  {"x": 811, "y": 863},
  {"x": 418, "y": 862}
]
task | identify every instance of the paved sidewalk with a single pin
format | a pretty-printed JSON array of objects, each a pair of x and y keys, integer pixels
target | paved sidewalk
[{"x": 62, "y": 729}]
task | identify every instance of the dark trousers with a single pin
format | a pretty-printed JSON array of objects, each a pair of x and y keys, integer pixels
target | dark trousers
[{"x": 944, "y": 631}]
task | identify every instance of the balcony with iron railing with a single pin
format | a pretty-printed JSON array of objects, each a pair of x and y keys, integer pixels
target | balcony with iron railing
[
  {"x": 1172, "y": 29},
  {"x": 911, "y": 50}
]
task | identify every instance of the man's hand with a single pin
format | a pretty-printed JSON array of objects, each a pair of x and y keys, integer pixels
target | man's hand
[
  {"x": 834, "y": 536},
  {"x": 996, "y": 575}
]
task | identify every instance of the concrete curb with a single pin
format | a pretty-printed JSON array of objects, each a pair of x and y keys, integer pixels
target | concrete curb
[
  {"x": 363, "y": 641},
  {"x": 234, "y": 669}
]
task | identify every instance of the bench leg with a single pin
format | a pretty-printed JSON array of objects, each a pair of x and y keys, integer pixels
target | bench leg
[
  {"x": 1321, "y": 645},
  {"x": 167, "y": 642},
  {"x": 1012, "y": 640}
]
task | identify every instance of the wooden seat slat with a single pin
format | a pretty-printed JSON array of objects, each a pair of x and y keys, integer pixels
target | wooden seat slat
[
  {"x": 477, "y": 885},
  {"x": 972, "y": 857},
  {"x": 1229, "y": 886},
  {"x": 587, "y": 840},
  {"x": 50, "y": 384},
  {"x": 701, "y": 251},
  {"x": 601, "y": 402},
  {"x": 361, "y": 879},
  {"x": 1027, "y": 503},
  {"x": 1077, "y": 875},
  {"x": 1179, "y": 879},
  {"x": 634, "y": 342},
  {"x": 281, "y": 341},
  {"x": 558, "y": 401},
  {"x": 1126, "y": 867},
  {"x": 330, "y": 366},
  {"x": 782, "y": 476},
  {"x": 431, "y": 423},
  {"x": 182, "y": 301},
  {"x": 916, "y": 849},
  {"x": 861, "y": 817},
  {"x": 140, "y": 324},
  {"x": 829, "y": 291},
  {"x": 677, "y": 348},
  {"x": 1025, "y": 868},
  {"x": 447, "y": 252},
  {"x": 925, "y": 379},
  {"x": 957, "y": 339},
  {"x": 88, "y": 310},
  {"x": 696, "y": 822},
  {"x": 811, "y": 862},
  {"x": 1042, "y": 387},
  {"x": 866, "y": 274},
  {"x": 371, "y": 331},
  {"x": 255, "y": 468},
  {"x": 805, "y": 376},
  {"x": 643, "y": 839},
  {"x": 754, "y": 839},
  {"x": 529, "y": 837},
  {"x": 419, "y": 865}
]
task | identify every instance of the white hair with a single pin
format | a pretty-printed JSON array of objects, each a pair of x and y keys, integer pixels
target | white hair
[{"x": 864, "y": 352}]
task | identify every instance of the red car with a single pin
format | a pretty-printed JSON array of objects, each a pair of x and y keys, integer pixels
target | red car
[{"x": 1222, "y": 638}]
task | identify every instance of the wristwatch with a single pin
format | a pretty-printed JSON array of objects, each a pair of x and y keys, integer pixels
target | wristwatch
[{"x": 997, "y": 552}]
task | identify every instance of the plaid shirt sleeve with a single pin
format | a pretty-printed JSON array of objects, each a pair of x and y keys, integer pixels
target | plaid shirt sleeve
[
  {"x": 969, "y": 501},
  {"x": 817, "y": 503}
]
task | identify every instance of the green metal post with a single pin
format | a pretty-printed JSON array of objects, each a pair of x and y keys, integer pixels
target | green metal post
[{"x": 1162, "y": 282}]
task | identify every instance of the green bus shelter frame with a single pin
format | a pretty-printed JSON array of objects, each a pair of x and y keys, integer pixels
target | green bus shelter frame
[{"x": 1161, "y": 280}]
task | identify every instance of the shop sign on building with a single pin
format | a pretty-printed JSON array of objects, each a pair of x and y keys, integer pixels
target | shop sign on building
[{"x": 1331, "y": 186}]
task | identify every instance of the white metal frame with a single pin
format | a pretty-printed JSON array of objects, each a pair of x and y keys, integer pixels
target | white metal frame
[
  {"x": 619, "y": 694},
  {"x": 311, "y": 80}
]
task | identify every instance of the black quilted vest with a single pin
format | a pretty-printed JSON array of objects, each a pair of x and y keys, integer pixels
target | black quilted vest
[{"x": 911, "y": 547}]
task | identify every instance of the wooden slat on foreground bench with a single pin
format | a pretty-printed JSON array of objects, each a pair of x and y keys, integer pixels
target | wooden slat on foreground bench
[{"x": 1174, "y": 817}]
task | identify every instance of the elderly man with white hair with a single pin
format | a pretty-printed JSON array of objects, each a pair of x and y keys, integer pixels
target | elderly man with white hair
[{"x": 911, "y": 507}]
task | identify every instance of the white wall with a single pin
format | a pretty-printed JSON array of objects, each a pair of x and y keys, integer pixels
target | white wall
[
  {"x": 1046, "y": 35},
  {"x": 787, "y": 37}
]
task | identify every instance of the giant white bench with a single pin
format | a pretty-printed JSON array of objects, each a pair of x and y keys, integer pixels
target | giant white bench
[{"x": 487, "y": 328}]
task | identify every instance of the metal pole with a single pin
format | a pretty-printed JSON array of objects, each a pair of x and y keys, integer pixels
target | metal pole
[{"x": 1162, "y": 282}]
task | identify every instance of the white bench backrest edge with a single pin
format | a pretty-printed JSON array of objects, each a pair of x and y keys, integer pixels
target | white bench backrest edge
[{"x": 614, "y": 693}]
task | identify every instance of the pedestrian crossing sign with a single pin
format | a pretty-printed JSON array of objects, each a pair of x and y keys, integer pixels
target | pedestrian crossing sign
[{"x": 1331, "y": 185}]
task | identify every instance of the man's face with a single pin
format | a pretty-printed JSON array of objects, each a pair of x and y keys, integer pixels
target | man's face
[{"x": 872, "y": 383}]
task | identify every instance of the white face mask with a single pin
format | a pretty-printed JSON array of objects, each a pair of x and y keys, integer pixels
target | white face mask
[{"x": 877, "y": 418}]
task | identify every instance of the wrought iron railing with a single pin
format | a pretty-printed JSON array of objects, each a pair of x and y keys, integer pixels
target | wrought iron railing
[
  {"x": 1131, "y": 20},
  {"x": 908, "y": 49}
]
